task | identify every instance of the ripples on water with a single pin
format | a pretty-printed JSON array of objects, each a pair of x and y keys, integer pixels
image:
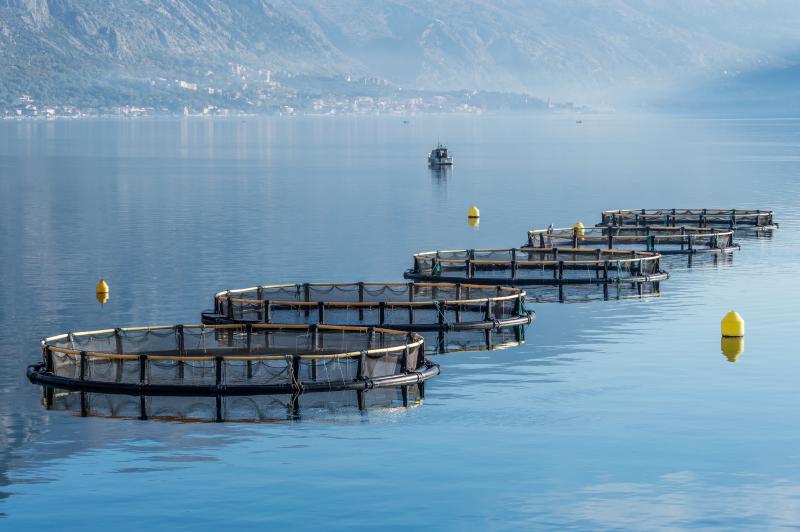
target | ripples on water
[{"x": 617, "y": 414}]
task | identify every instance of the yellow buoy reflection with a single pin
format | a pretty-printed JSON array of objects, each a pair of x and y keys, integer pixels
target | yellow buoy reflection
[
  {"x": 474, "y": 222},
  {"x": 102, "y": 297},
  {"x": 732, "y": 347}
]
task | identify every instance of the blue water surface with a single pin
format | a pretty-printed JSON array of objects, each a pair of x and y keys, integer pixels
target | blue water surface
[{"x": 613, "y": 415}]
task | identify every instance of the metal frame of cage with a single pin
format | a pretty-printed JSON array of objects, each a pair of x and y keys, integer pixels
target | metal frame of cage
[
  {"x": 505, "y": 307},
  {"x": 753, "y": 219},
  {"x": 663, "y": 240},
  {"x": 243, "y": 352},
  {"x": 597, "y": 266}
]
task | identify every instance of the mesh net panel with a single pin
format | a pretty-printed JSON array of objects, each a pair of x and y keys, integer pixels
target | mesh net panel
[
  {"x": 241, "y": 355},
  {"x": 701, "y": 217},
  {"x": 66, "y": 365},
  {"x": 659, "y": 239},
  {"x": 548, "y": 265}
]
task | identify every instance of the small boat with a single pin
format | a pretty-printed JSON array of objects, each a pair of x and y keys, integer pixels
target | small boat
[{"x": 439, "y": 157}]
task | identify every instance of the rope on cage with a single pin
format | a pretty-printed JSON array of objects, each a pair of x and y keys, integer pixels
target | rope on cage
[
  {"x": 326, "y": 368},
  {"x": 439, "y": 312},
  {"x": 363, "y": 376},
  {"x": 340, "y": 366},
  {"x": 338, "y": 361},
  {"x": 350, "y": 287},
  {"x": 296, "y": 384},
  {"x": 399, "y": 290},
  {"x": 320, "y": 290}
]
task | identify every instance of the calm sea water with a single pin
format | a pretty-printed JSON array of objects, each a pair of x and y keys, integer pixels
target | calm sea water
[{"x": 613, "y": 415}]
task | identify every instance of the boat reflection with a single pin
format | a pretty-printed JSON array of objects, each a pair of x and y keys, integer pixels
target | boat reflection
[{"x": 440, "y": 173}]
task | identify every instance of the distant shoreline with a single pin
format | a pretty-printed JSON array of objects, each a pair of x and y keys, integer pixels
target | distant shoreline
[{"x": 123, "y": 116}]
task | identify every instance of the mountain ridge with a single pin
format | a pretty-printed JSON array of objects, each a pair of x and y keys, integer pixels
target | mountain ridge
[{"x": 95, "y": 53}]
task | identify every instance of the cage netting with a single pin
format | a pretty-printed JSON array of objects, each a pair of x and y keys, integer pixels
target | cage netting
[
  {"x": 664, "y": 240},
  {"x": 404, "y": 306},
  {"x": 233, "y": 358},
  {"x": 537, "y": 266},
  {"x": 731, "y": 218}
]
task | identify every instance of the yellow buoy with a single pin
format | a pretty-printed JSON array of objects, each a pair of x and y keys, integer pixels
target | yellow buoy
[
  {"x": 579, "y": 229},
  {"x": 732, "y": 324},
  {"x": 101, "y": 291},
  {"x": 732, "y": 347},
  {"x": 473, "y": 212},
  {"x": 102, "y": 287}
]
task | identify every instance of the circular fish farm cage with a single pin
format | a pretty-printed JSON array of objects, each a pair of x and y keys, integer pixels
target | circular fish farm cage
[
  {"x": 742, "y": 219},
  {"x": 238, "y": 408},
  {"x": 401, "y": 306},
  {"x": 235, "y": 359},
  {"x": 664, "y": 240},
  {"x": 537, "y": 266}
]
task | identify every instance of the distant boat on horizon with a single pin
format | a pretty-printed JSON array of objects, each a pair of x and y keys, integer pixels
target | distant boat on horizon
[{"x": 439, "y": 156}]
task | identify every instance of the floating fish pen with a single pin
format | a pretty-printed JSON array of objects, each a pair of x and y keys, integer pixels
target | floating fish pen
[
  {"x": 238, "y": 408},
  {"x": 747, "y": 219},
  {"x": 537, "y": 266},
  {"x": 236, "y": 359},
  {"x": 664, "y": 240},
  {"x": 401, "y": 306}
]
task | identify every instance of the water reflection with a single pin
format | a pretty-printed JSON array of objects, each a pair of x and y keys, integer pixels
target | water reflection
[
  {"x": 439, "y": 177},
  {"x": 591, "y": 292},
  {"x": 441, "y": 342},
  {"x": 440, "y": 174},
  {"x": 732, "y": 347},
  {"x": 263, "y": 408},
  {"x": 754, "y": 236},
  {"x": 698, "y": 260}
]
